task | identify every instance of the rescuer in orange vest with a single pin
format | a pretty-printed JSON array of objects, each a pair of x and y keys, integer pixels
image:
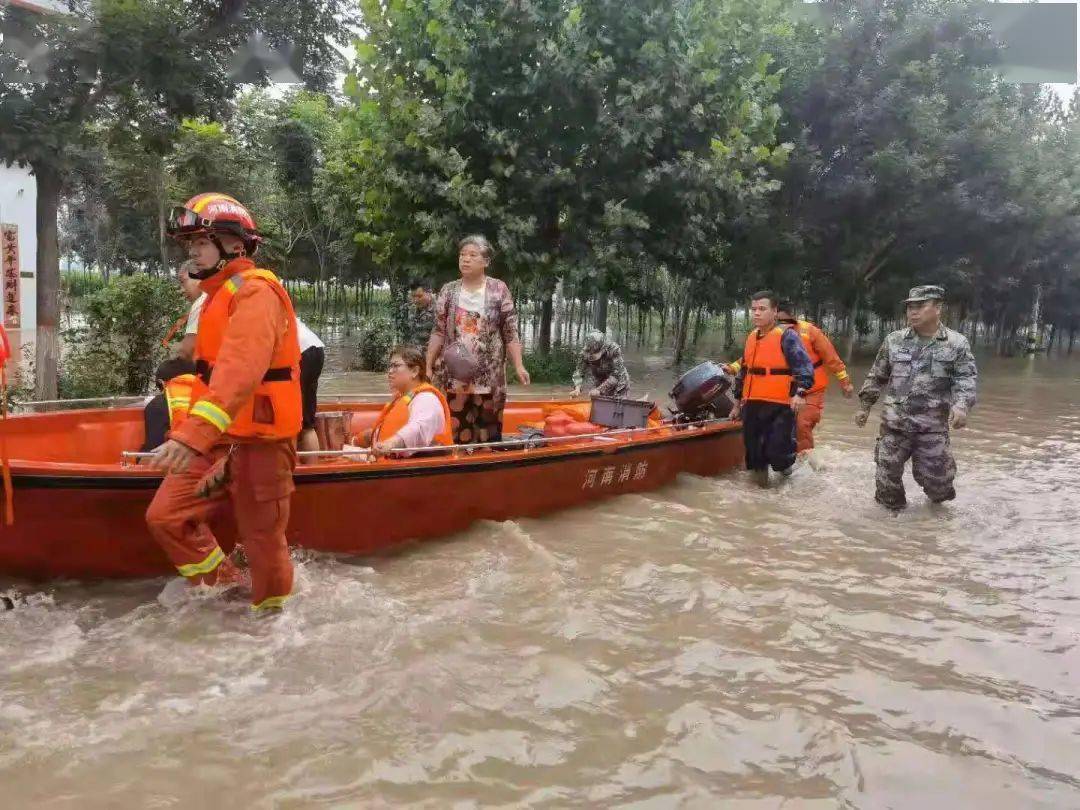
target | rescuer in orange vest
[
  {"x": 238, "y": 440},
  {"x": 824, "y": 356},
  {"x": 774, "y": 375}
]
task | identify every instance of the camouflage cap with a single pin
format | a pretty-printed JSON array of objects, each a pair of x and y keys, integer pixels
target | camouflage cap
[
  {"x": 594, "y": 343},
  {"x": 925, "y": 292}
]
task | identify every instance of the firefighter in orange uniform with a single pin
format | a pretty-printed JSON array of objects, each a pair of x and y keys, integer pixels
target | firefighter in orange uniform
[
  {"x": 824, "y": 356},
  {"x": 237, "y": 444}
]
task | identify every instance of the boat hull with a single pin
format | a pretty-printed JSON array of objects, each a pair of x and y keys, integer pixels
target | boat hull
[{"x": 78, "y": 524}]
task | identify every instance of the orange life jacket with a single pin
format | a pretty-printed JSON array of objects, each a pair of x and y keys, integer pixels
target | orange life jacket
[
  {"x": 821, "y": 378},
  {"x": 274, "y": 411},
  {"x": 768, "y": 375},
  {"x": 178, "y": 397},
  {"x": 395, "y": 415}
]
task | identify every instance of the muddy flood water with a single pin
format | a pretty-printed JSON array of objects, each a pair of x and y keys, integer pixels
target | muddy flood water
[{"x": 709, "y": 645}]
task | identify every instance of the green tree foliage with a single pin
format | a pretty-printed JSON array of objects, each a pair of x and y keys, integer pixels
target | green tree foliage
[{"x": 577, "y": 135}]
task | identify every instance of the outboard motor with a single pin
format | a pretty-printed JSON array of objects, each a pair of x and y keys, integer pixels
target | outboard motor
[{"x": 703, "y": 392}]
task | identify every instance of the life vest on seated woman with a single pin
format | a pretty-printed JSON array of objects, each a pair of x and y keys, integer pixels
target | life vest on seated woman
[
  {"x": 178, "y": 398},
  {"x": 274, "y": 410},
  {"x": 768, "y": 375},
  {"x": 395, "y": 415}
]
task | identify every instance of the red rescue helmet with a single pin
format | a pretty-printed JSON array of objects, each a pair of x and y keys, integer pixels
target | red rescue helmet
[{"x": 211, "y": 214}]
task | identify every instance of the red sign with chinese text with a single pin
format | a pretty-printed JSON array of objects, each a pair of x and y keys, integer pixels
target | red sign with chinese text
[{"x": 9, "y": 271}]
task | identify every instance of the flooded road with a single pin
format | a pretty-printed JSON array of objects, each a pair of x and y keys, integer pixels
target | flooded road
[{"x": 707, "y": 645}]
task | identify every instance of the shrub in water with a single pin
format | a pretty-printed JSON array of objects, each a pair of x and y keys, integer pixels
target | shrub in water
[
  {"x": 557, "y": 366},
  {"x": 119, "y": 345},
  {"x": 376, "y": 341}
]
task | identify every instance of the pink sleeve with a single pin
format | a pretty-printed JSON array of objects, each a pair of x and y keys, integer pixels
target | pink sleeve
[{"x": 426, "y": 420}]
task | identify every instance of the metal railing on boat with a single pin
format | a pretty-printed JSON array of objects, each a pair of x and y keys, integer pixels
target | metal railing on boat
[
  {"x": 111, "y": 402},
  {"x": 116, "y": 402},
  {"x": 458, "y": 450}
]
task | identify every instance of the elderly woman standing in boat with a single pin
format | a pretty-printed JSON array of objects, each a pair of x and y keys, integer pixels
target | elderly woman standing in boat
[{"x": 475, "y": 329}]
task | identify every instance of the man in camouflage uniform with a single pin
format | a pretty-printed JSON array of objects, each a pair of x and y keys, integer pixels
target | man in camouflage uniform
[
  {"x": 929, "y": 375},
  {"x": 417, "y": 315},
  {"x": 600, "y": 369}
]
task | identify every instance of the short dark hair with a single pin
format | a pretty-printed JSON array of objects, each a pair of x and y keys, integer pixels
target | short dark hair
[
  {"x": 413, "y": 358},
  {"x": 760, "y": 294},
  {"x": 786, "y": 305},
  {"x": 173, "y": 367},
  {"x": 419, "y": 283}
]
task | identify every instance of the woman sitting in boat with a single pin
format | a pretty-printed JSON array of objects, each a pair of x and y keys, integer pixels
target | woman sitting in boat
[
  {"x": 476, "y": 328},
  {"x": 418, "y": 416}
]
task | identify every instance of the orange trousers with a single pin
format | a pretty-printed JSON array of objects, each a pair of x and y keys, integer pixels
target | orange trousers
[
  {"x": 259, "y": 492},
  {"x": 807, "y": 420}
]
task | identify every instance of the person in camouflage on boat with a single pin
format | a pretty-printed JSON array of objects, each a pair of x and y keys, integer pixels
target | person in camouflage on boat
[
  {"x": 600, "y": 370},
  {"x": 928, "y": 374},
  {"x": 417, "y": 314}
]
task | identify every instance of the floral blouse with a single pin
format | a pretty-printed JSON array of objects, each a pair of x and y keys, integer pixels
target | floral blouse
[{"x": 486, "y": 335}]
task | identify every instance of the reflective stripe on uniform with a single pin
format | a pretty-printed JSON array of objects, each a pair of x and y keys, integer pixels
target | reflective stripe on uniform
[
  {"x": 271, "y": 602},
  {"x": 234, "y": 283},
  {"x": 212, "y": 561},
  {"x": 841, "y": 375},
  {"x": 210, "y": 412}
]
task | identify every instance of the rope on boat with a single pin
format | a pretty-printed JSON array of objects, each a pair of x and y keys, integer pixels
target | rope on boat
[{"x": 468, "y": 449}]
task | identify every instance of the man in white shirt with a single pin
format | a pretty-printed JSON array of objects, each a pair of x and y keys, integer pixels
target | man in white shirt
[
  {"x": 197, "y": 298},
  {"x": 312, "y": 356}
]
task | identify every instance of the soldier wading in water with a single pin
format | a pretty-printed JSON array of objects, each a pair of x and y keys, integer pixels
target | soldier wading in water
[{"x": 929, "y": 375}]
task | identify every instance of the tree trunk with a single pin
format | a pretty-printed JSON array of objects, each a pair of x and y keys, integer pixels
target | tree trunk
[
  {"x": 48, "y": 282},
  {"x": 1036, "y": 315},
  {"x": 560, "y": 312},
  {"x": 729, "y": 327},
  {"x": 163, "y": 250},
  {"x": 543, "y": 340},
  {"x": 600, "y": 311},
  {"x": 852, "y": 330},
  {"x": 699, "y": 323},
  {"x": 1072, "y": 336},
  {"x": 682, "y": 327}
]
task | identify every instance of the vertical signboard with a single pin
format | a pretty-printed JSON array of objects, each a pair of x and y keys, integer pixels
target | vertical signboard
[{"x": 9, "y": 265}]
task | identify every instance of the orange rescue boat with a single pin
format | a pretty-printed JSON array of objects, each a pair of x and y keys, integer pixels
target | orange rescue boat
[{"x": 79, "y": 505}]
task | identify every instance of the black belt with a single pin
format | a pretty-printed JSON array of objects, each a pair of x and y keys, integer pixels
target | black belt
[
  {"x": 203, "y": 370},
  {"x": 761, "y": 372}
]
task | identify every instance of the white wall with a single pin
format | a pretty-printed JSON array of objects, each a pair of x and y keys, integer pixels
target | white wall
[{"x": 18, "y": 203}]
